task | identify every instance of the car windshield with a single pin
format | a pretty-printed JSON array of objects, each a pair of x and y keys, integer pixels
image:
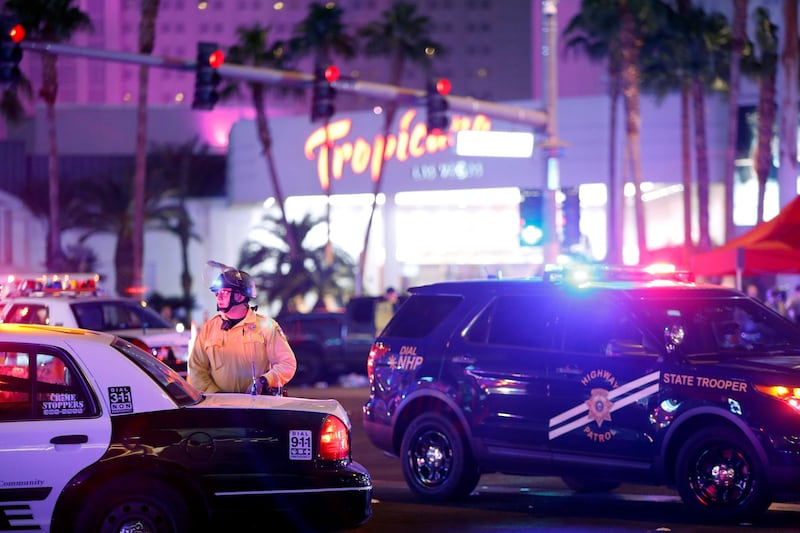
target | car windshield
[
  {"x": 176, "y": 387},
  {"x": 718, "y": 325}
]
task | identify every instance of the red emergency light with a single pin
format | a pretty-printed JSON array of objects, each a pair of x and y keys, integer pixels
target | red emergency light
[{"x": 17, "y": 33}]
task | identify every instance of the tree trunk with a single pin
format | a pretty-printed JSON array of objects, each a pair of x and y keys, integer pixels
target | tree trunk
[
  {"x": 147, "y": 37},
  {"x": 49, "y": 93},
  {"x": 264, "y": 135},
  {"x": 701, "y": 156},
  {"x": 787, "y": 171},
  {"x": 616, "y": 196},
  {"x": 739, "y": 36},
  {"x": 766, "y": 123},
  {"x": 686, "y": 172},
  {"x": 630, "y": 93}
]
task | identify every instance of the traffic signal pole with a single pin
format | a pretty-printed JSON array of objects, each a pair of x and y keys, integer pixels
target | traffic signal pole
[{"x": 538, "y": 119}]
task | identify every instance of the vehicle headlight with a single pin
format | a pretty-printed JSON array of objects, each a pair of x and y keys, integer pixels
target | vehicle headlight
[{"x": 789, "y": 395}]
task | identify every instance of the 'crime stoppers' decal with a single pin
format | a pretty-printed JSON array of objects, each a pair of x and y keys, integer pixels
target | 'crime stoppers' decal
[
  {"x": 602, "y": 402},
  {"x": 120, "y": 399},
  {"x": 300, "y": 445}
]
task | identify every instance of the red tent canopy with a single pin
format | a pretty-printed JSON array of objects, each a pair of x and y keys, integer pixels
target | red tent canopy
[{"x": 769, "y": 248}]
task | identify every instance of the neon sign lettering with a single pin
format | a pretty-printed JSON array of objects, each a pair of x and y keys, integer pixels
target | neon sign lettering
[{"x": 411, "y": 140}]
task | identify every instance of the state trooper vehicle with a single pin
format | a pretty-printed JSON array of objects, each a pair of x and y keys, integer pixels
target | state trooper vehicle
[
  {"x": 599, "y": 376},
  {"x": 98, "y": 435}
]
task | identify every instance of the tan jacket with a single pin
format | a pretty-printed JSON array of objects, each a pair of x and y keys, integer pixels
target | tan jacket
[{"x": 222, "y": 361}]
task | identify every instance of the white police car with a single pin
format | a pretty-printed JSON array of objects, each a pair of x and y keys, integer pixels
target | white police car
[
  {"x": 76, "y": 301},
  {"x": 97, "y": 435}
]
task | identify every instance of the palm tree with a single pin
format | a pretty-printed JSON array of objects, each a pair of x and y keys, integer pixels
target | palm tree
[
  {"x": 253, "y": 49},
  {"x": 50, "y": 21},
  {"x": 787, "y": 130},
  {"x": 147, "y": 38},
  {"x": 738, "y": 42},
  {"x": 762, "y": 66},
  {"x": 614, "y": 30},
  {"x": 174, "y": 168},
  {"x": 401, "y": 36},
  {"x": 281, "y": 277},
  {"x": 322, "y": 35},
  {"x": 105, "y": 206},
  {"x": 664, "y": 66}
]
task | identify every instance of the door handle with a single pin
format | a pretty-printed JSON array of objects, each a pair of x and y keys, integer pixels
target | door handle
[
  {"x": 571, "y": 370},
  {"x": 70, "y": 439},
  {"x": 463, "y": 359}
]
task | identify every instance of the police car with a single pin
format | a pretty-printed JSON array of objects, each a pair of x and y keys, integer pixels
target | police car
[
  {"x": 76, "y": 301},
  {"x": 625, "y": 376},
  {"x": 97, "y": 435}
]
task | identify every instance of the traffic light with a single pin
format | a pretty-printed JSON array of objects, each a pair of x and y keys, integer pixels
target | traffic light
[
  {"x": 571, "y": 211},
  {"x": 11, "y": 34},
  {"x": 437, "y": 106},
  {"x": 531, "y": 217},
  {"x": 209, "y": 59},
  {"x": 323, "y": 93}
]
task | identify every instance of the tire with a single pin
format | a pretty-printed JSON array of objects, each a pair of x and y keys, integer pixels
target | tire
[
  {"x": 720, "y": 477},
  {"x": 589, "y": 485},
  {"x": 437, "y": 462},
  {"x": 134, "y": 503}
]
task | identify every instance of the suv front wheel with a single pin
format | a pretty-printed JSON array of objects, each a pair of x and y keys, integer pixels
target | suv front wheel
[
  {"x": 437, "y": 463},
  {"x": 720, "y": 477}
]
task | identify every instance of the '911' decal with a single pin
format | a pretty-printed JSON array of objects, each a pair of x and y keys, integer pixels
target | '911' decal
[{"x": 300, "y": 445}]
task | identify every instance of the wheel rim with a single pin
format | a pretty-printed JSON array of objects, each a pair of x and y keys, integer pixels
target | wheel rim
[
  {"x": 722, "y": 477},
  {"x": 431, "y": 458},
  {"x": 138, "y": 516}
]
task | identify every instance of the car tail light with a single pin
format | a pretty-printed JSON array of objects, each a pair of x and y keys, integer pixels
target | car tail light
[
  {"x": 789, "y": 395},
  {"x": 377, "y": 351},
  {"x": 334, "y": 440}
]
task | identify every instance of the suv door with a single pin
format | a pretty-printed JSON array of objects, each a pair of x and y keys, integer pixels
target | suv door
[
  {"x": 500, "y": 362},
  {"x": 602, "y": 385}
]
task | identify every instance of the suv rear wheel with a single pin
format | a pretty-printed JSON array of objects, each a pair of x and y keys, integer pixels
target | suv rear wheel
[
  {"x": 720, "y": 477},
  {"x": 437, "y": 463}
]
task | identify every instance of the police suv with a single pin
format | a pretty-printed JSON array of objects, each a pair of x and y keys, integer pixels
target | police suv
[
  {"x": 97, "y": 435},
  {"x": 600, "y": 377},
  {"x": 76, "y": 301}
]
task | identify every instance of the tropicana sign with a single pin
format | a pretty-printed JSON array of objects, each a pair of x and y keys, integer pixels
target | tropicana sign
[{"x": 412, "y": 140}]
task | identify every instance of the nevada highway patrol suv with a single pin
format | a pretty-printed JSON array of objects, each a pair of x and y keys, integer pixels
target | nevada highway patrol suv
[
  {"x": 96, "y": 435},
  {"x": 629, "y": 378}
]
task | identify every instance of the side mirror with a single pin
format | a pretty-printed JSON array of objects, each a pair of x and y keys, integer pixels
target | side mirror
[{"x": 674, "y": 336}]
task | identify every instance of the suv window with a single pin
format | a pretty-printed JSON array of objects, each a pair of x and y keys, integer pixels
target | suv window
[
  {"x": 420, "y": 314},
  {"x": 598, "y": 325},
  {"x": 55, "y": 391},
  {"x": 524, "y": 321}
]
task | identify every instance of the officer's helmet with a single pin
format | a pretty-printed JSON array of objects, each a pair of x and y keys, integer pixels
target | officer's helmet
[{"x": 235, "y": 280}]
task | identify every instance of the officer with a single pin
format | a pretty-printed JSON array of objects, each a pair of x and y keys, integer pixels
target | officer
[{"x": 239, "y": 350}]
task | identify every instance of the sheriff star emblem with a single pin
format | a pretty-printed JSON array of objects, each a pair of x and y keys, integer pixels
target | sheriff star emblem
[{"x": 599, "y": 406}]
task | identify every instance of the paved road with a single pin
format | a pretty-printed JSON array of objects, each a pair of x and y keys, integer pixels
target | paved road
[{"x": 515, "y": 504}]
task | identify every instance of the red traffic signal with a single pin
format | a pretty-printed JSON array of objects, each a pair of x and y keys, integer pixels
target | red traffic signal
[
  {"x": 216, "y": 59},
  {"x": 443, "y": 86},
  {"x": 331, "y": 73},
  {"x": 17, "y": 33}
]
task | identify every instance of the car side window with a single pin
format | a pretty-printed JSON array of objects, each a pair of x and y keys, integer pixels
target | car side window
[
  {"x": 523, "y": 321},
  {"x": 600, "y": 326},
  {"x": 27, "y": 314},
  {"x": 89, "y": 316},
  {"x": 36, "y": 385}
]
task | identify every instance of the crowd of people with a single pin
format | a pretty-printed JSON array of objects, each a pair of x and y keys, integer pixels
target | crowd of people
[{"x": 787, "y": 304}]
